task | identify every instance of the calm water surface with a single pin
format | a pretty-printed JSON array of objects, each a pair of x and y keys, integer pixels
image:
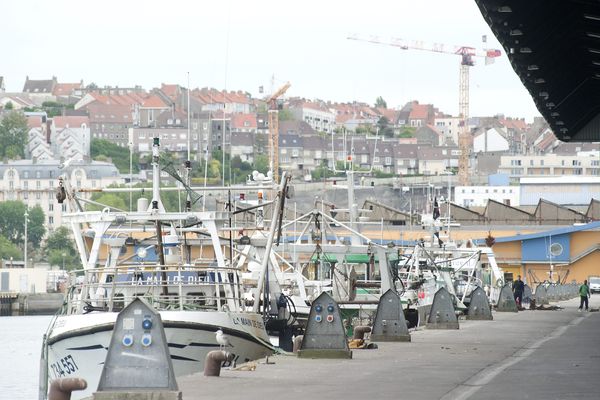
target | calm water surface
[{"x": 20, "y": 345}]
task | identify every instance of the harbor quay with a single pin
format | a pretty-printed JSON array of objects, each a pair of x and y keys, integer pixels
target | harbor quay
[{"x": 541, "y": 354}]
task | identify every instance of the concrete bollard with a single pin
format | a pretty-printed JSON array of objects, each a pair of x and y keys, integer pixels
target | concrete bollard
[
  {"x": 214, "y": 360},
  {"x": 60, "y": 389},
  {"x": 359, "y": 332},
  {"x": 297, "y": 343}
]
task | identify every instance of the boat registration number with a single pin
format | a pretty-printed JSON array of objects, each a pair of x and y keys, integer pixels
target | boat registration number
[{"x": 63, "y": 367}]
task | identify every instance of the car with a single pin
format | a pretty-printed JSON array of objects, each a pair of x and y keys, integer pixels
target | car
[{"x": 594, "y": 283}]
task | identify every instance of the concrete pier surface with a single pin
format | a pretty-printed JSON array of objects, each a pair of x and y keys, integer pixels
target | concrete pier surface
[{"x": 525, "y": 355}]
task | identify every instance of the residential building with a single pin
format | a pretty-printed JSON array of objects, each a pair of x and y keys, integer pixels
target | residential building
[
  {"x": 586, "y": 164},
  {"x": 490, "y": 140},
  {"x": 34, "y": 183},
  {"x": 227, "y": 102},
  {"x": 19, "y": 101},
  {"x": 40, "y": 90},
  {"x": 405, "y": 156},
  {"x": 58, "y": 137},
  {"x": 172, "y": 139},
  {"x": 420, "y": 114},
  {"x": 478, "y": 196},
  {"x": 314, "y": 113},
  {"x": 2, "y": 88},
  {"x": 291, "y": 153},
  {"x": 242, "y": 145},
  {"x": 244, "y": 123},
  {"x": 428, "y": 134},
  {"x": 111, "y": 122},
  {"x": 448, "y": 127},
  {"x": 437, "y": 160}
]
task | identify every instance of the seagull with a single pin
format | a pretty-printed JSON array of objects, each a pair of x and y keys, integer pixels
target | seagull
[{"x": 223, "y": 339}]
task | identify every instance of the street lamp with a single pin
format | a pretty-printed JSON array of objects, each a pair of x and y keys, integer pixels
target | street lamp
[
  {"x": 63, "y": 257},
  {"x": 25, "y": 247}
]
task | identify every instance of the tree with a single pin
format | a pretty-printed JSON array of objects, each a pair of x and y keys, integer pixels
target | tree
[
  {"x": 100, "y": 149},
  {"x": 60, "y": 249},
  {"x": 285, "y": 115},
  {"x": 109, "y": 199},
  {"x": 12, "y": 221},
  {"x": 261, "y": 163},
  {"x": 384, "y": 127},
  {"x": 35, "y": 226},
  {"x": 9, "y": 250},
  {"x": 13, "y": 135},
  {"x": 9, "y": 106},
  {"x": 380, "y": 102}
]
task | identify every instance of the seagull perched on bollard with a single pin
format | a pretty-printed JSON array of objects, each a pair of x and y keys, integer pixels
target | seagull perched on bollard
[{"x": 223, "y": 339}]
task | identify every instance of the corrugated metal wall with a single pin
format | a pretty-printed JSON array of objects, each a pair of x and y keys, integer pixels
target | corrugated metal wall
[{"x": 564, "y": 194}]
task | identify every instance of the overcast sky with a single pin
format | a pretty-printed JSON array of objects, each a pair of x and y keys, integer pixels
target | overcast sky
[{"x": 241, "y": 44}]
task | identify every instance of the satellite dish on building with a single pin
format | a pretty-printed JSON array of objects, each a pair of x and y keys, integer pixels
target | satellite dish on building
[{"x": 556, "y": 249}]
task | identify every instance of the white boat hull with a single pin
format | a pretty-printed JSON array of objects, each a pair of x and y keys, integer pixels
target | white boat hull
[{"x": 78, "y": 344}]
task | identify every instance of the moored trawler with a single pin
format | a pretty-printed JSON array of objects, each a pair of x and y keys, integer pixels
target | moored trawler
[{"x": 149, "y": 254}]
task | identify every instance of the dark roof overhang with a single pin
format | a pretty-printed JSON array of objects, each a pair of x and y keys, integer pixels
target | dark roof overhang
[{"x": 554, "y": 47}]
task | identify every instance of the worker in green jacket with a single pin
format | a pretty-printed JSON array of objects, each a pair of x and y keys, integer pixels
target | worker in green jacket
[{"x": 584, "y": 293}]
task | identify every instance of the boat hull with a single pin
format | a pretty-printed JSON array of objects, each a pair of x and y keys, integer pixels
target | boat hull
[{"x": 78, "y": 344}]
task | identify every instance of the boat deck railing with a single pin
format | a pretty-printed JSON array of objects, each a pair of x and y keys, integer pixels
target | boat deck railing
[{"x": 165, "y": 287}]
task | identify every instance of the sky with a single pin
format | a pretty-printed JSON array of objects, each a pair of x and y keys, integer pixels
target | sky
[{"x": 244, "y": 44}]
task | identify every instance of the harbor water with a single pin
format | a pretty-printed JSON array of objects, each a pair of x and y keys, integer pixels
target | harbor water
[{"x": 20, "y": 345}]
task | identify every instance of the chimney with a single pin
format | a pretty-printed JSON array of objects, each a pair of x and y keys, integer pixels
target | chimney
[{"x": 48, "y": 130}]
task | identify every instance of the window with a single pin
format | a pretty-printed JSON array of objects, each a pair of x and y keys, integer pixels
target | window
[
  {"x": 25, "y": 185},
  {"x": 38, "y": 195},
  {"x": 50, "y": 207},
  {"x": 26, "y": 174},
  {"x": 542, "y": 162},
  {"x": 25, "y": 195},
  {"x": 38, "y": 174},
  {"x": 51, "y": 220},
  {"x": 38, "y": 184},
  {"x": 531, "y": 163}
]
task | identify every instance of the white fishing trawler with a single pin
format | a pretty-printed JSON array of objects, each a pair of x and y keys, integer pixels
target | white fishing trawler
[{"x": 176, "y": 261}]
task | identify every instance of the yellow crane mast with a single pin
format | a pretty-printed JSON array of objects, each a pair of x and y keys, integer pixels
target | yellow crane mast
[
  {"x": 467, "y": 54},
  {"x": 273, "y": 111}
]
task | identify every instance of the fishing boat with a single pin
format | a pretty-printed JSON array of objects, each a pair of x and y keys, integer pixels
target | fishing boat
[{"x": 176, "y": 261}]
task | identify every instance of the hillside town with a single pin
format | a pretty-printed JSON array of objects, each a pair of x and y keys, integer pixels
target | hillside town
[{"x": 100, "y": 137}]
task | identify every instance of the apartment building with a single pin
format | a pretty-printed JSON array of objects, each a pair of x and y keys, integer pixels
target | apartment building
[{"x": 35, "y": 182}]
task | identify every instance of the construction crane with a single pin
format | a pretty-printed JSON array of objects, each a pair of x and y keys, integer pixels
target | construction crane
[
  {"x": 273, "y": 111},
  {"x": 467, "y": 55}
]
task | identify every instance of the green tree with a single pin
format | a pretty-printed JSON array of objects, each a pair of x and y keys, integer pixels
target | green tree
[
  {"x": 118, "y": 154},
  {"x": 109, "y": 199},
  {"x": 12, "y": 221},
  {"x": 261, "y": 163},
  {"x": 214, "y": 168},
  {"x": 285, "y": 115},
  {"x": 35, "y": 226},
  {"x": 9, "y": 106},
  {"x": 380, "y": 102},
  {"x": 8, "y": 249},
  {"x": 60, "y": 249},
  {"x": 13, "y": 135},
  {"x": 407, "y": 132},
  {"x": 384, "y": 127}
]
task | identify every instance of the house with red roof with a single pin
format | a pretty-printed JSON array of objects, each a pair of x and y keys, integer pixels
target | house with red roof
[
  {"x": 244, "y": 123},
  {"x": 421, "y": 115}
]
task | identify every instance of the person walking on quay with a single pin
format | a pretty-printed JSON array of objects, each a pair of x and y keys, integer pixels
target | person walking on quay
[
  {"x": 518, "y": 288},
  {"x": 584, "y": 293}
]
